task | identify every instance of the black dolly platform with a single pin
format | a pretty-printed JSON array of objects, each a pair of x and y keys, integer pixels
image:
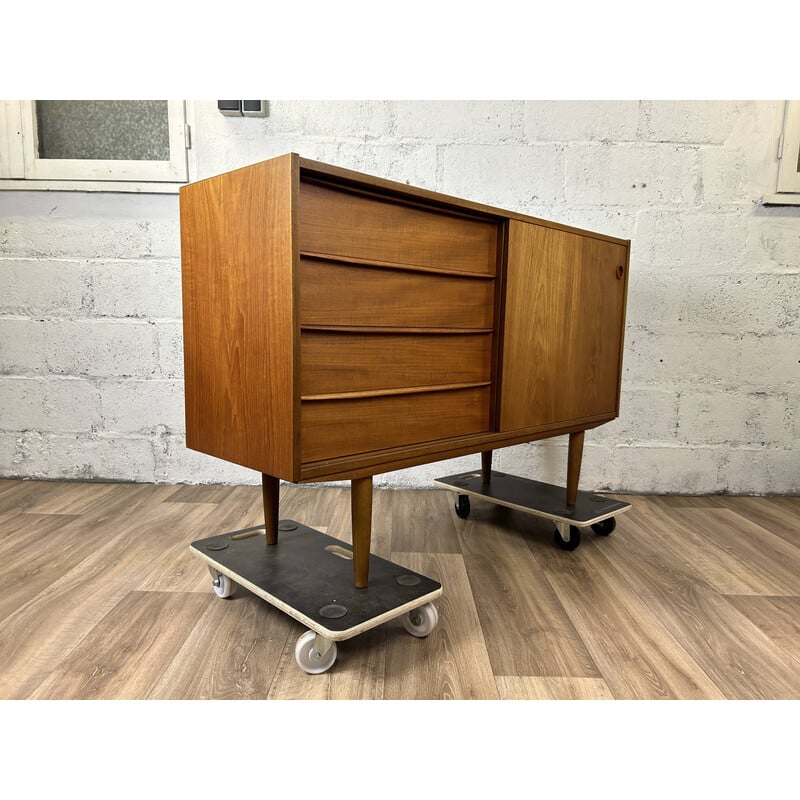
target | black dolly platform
[
  {"x": 540, "y": 499},
  {"x": 309, "y": 576}
]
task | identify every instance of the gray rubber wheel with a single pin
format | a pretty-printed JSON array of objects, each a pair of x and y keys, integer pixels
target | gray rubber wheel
[
  {"x": 311, "y": 660},
  {"x": 421, "y": 621},
  {"x": 224, "y": 586}
]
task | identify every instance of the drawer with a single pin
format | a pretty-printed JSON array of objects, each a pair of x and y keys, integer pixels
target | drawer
[
  {"x": 353, "y": 362},
  {"x": 335, "y": 222},
  {"x": 332, "y": 428},
  {"x": 343, "y": 294}
]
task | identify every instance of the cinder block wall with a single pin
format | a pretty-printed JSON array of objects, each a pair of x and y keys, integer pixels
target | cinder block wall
[{"x": 90, "y": 332}]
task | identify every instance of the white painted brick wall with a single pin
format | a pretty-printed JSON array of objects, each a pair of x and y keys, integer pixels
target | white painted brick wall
[
  {"x": 647, "y": 408},
  {"x": 695, "y": 121},
  {"x": 142, "y": 406},
  {"x": 82, "y": 347},
  {"x": 91, "y": 361},
  {"x": 778, "y": 241},
  {"x": 512, "y": 176},
  {"x": 611, "y": 174},
  {"x": 332, "y": 119},
  {"x": 54, "y": 287},
  {"x": 81, "y": 456},
  {"x": 150, "y": 288},
  {"x": 581, "y": 121},
  {"x": 697, "y": 469},
  {"x": 464, "y": 121},
  {"x": 713, "y": 239}
]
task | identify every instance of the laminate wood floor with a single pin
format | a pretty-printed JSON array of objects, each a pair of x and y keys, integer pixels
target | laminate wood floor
[{"x": 690, "y": 598}]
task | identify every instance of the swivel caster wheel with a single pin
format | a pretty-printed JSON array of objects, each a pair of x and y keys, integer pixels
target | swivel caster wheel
[
  {"x": 568, "y": 544},
  {"x": 421, "y": 621},
  {"x": 224, "y": 586},
  {"x": 605, "y": 527},
  {"x": 462, "y": 506},
  {"x": 314, "y": 654}
]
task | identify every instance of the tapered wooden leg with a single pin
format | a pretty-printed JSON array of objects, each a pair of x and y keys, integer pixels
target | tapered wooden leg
[
  {"x": 574, "y": 466},
  {"x": 486, "y": 466},
  {"x": 361, "y": 517},
  {"x": 270, "y": 493}
]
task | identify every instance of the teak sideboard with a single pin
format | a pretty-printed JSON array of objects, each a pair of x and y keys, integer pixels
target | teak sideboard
[{"x": 338, "y": 325}]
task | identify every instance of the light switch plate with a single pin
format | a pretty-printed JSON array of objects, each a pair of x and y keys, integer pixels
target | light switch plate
[
  {"x": 230, "y": 108},
  {"x": 254, "y": 108}
]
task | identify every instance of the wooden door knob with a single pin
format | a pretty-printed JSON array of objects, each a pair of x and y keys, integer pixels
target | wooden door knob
[{"x": 620, "y": 272}]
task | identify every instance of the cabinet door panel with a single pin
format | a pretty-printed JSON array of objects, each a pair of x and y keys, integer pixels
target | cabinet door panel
[{"x": 564, "y": 319}]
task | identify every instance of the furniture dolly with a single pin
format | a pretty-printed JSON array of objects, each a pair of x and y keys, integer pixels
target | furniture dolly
[
  {"x": 544, "y": 500},
  {"x": 309, "y": 577}
]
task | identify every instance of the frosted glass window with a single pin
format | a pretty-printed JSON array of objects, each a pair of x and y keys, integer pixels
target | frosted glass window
[
  {"x": 118, "y": 130},
  {"x": 787, "y": 180}
]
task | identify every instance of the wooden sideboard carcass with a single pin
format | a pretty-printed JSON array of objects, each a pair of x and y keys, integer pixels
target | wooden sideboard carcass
[{"x": 337, "y": 325}]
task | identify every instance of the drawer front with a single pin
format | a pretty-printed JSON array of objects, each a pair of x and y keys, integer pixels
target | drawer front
[
  {"x": 351, "y": 362},
  {"x": 332, "y": 428},
  {"x": 339, "y": 294},
  {"x": 340, "y": 223}
]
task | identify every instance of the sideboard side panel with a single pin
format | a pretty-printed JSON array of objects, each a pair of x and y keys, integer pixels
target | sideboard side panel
[{"x": 238, "y": 315}]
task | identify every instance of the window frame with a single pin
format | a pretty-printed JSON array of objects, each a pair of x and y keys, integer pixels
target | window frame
[
  {"x": 783, "y": 187},
  {"x": 21, "y": 168}
]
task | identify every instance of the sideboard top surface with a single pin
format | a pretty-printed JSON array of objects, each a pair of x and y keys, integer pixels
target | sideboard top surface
[{"x": 311, "y": 169}]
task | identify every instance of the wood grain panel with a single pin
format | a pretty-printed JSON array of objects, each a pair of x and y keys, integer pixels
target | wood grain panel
[
  {"x": 683, "y": 501},
  {"x": 338, "y": 520},
  {"x": 356, "y": 675},
  {"x": 752, "y": 546},
  {"x": 231, "y": 652},
  {"x": 336, "y": 222},
  {"x": 512, "y": 687},
  {"x": 736, "y": 655},
  {"x": 452, "y": 663},
  {"x": 199, "y": 493},
  {"x": 722, "y": 549},
  {"x": 72, "y": 498},
  {"x": 637, "y": 655},
  {"x": 422, "y": 521},
  {"x": 645, "y": 602},
  {"x": 563, "y": 327},
  {"x": 339, "y": 427},
  {"x": 597, "y": 327},
  {"x": 26, "y": 495},
  {"x": 37, "y": 636},
  {"x": 778, "y": 617},
  {"x": 778, "y": 515},
  {"x": 239, "y": 318},
  {"x": 8, "y": 483},
  {"x": 525, "y": 627},
  {"x": 123, "y": 653},
  {"x": 412, "y": 455},
  {"x": 241, "y": 507},
  {"x": 344, "y": 362},
  {"x": 22, "y": 539},
  {"x": 339, "y": 294}
]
